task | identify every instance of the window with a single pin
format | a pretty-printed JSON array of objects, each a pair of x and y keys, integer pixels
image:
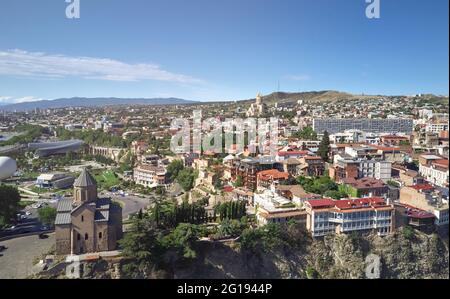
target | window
[
  {"x": 100, "y": 235},
  {"x": 82, "y": 218},
  {"x": 78, "y": 237},
  {"x": 86, "y": 236}
]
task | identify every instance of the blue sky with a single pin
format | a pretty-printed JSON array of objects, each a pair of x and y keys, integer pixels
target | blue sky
[{"x": 220, "y": 50}]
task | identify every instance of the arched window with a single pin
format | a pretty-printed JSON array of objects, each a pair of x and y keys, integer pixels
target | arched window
[{"x": 86, "y": 236}]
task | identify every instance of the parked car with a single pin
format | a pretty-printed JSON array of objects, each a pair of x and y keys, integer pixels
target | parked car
[{"x": 3, "y": 248}]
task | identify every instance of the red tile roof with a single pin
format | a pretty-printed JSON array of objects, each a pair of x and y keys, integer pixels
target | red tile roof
[
  {"x": 272, "y": 174},
  {"x": 385, "y": 148},
  {"x": 414, "y": 212},
  {"x": 359, "y": 203},
  {"x": 347, "y": 203},
  {"x": 228, "y": 189},
  {"x": 441, "y": 162},
  {"x": 422, "y": 187},
  {"x": 320, "y": 203}
]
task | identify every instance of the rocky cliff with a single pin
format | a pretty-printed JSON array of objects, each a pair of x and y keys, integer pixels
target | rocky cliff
[{"x": 397, "y": 256}]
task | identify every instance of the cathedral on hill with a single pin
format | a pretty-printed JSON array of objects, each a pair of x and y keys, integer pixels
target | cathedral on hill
[
  {"x": 87, "y": 223},
  {"x": 258, "y": 108}
]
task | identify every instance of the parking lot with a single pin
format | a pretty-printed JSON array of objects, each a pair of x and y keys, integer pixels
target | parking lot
[{"x": 17, "y": 260}]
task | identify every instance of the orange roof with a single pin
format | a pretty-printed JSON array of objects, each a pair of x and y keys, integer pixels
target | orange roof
[
  {"x": 422, "y": 187},
  {"x": 441, "y": 162},
  {"x": 272, "y": 174},
  {"x": 385, "y": 148}
]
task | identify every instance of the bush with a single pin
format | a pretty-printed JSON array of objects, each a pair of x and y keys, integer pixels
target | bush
[
  {"x": 47, "y": 215},
  {"x": 408, "y": 232}
]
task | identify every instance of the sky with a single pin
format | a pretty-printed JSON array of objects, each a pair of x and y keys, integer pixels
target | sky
[{"x": 221, "y": 49}]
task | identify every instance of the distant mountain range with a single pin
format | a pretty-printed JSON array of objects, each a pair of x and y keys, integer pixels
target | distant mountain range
[
  {"x": 334, "y": 96},
  {"x": 276, "y": 97},
  {"x": 90, "y": 102}
]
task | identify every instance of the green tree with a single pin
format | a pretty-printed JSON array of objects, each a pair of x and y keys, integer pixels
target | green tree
[
  {"x": 238, "y": 182},
  {"x": 186, "y": 178},
  {"x": 141, "y": 244},
  {"x": 307, "y": 133},
  {"x": 47, "y": 215},
  {"x": 182, "y": 239},
  {"x": 324, "y": 146},
  {"x": 174, "y": 168},
  {"x": 408, "y": 232},
  {"x": 9, "y": 203}
]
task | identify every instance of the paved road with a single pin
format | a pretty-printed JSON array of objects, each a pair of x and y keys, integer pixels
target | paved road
[
  {"x": 131, "y": 204},
  {"x": 17, "y": 260}
]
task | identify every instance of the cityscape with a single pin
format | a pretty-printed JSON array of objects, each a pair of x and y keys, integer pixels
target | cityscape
[{"x": 114, "y": 182}]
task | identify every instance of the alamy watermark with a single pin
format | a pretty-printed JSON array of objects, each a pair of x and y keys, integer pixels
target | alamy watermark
[
  {"x": 373, "y": 266},
  {"x": 73, "y": 267},
  {"x": 234, "y": 135},
  {"x": 373, "y": 9},
  {"x": 73, "y": 9}
]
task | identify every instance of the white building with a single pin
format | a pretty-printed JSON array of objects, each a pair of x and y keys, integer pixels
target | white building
[
  {"x": 327, "y": 216},
  {"x": 349, "y": 136},
  {"x": 149, "y": 175},
  {"x": 271, "y": 207},
  {"x": 437, "y": 127},
  {"x": 434, "y": 169}
]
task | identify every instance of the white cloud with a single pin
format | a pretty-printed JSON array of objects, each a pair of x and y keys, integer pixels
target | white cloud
[
  {"x": 298, "y": 77},
  {"x": 4, "y": 99},
  {"x": 38, "y": 64},
  {"x": 11, "y": 100}
]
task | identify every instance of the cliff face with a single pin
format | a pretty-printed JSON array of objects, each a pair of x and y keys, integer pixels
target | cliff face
[
  {"x": 339, "y": 257},
  {"x": 396, "y": 256}
]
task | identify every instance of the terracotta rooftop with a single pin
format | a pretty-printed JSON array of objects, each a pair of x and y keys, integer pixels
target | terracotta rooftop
[
  {"x": 272, "y": 174},
  {"x": 421, "y": 187},
  {"x": 441, "y": 162},
  {"x": 347, "y": 204}
]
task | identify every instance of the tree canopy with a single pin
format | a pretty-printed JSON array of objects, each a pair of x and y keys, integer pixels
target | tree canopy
[{"x": 9, "y": 203}]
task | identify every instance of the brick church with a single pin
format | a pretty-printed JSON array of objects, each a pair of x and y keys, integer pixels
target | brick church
[{"x": 87, "y": 223}]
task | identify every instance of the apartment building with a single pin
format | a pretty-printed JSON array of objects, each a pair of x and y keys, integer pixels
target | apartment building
[
  {"x": 311, "y": 166},
  {"x": 434, "y": 169},
  {"x": 248, "y": 168},
  {"x": 335, "y": 125},
  {"x": 267, "y": 178},
  {"x": 271, "y": 207},
  {"x": 149, "y": 175},
  {"x": 436, "y": 127},
  {"x": 347, "y": 167},
  {"x": 327, "y": 216},
  {"x": 426, "y": 198}
]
